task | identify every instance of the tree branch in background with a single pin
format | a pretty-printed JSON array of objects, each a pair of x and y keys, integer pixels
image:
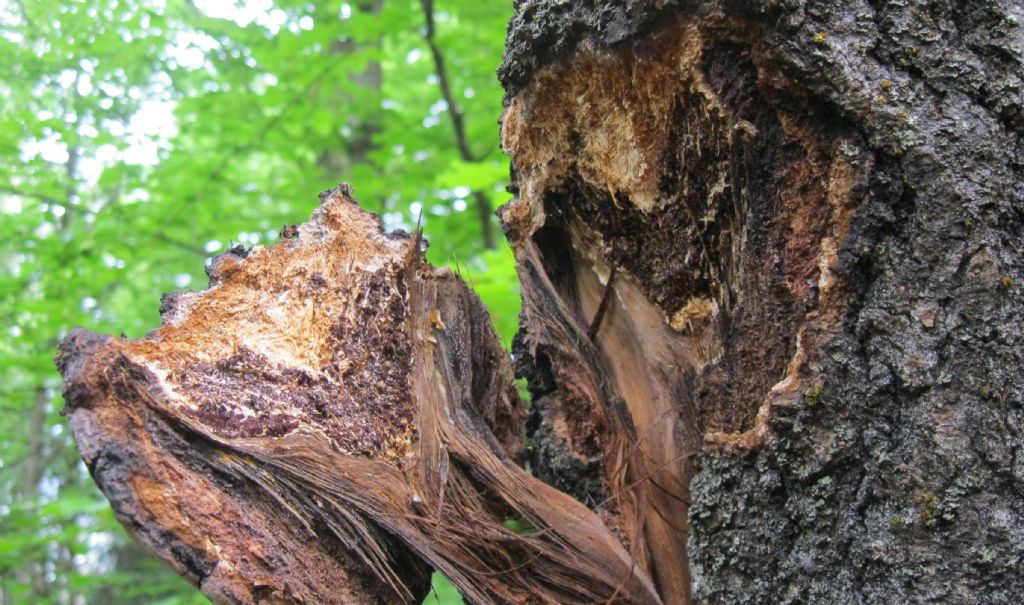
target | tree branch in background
[
  {"x": 483, "y": 206},
  {"x": 24, "y": 13},
  {"x": 42, "y": 197},
  {"x": 193, "y": 248},
  {"x": 253, "y": 142}
]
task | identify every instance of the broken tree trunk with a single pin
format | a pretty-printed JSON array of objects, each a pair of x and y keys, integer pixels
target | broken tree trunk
[
  {"x": 769, "y": 256},
  {"x": 326, "y": 422}
]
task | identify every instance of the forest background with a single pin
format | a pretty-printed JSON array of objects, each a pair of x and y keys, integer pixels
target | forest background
[{"x": 138, "y": 139}]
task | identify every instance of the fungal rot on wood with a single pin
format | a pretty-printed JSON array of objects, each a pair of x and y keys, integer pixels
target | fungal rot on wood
[{"x": 327, "y": 422}]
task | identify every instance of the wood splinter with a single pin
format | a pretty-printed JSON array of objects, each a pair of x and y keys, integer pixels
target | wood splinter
[{"x": 602, "y": 308}]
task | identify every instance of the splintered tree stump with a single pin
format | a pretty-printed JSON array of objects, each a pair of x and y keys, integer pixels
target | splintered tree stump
[{"x": 327, "y": 422}]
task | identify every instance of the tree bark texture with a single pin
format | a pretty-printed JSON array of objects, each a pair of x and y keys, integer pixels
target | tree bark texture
[
  {"x": 770, "y": 257},
  {"x": 814, "y": 216}
]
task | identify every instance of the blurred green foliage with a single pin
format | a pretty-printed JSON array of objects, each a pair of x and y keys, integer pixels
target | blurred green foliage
[{"x": 139, "y": 138}]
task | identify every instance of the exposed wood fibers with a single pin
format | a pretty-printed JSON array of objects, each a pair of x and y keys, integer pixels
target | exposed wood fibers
[{"x": 334, "y": 398}]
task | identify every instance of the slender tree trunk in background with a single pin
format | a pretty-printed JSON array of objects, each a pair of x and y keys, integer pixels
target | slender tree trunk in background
[
  {"x": 33, "y": 573},
  {"x": 484, "y": 212},
  {"x": 354, "y": 150},
  {"x": 770, "y": 255}
]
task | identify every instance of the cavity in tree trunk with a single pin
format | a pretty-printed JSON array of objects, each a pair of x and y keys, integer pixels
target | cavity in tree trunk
[{"x": 770, "y": 256}]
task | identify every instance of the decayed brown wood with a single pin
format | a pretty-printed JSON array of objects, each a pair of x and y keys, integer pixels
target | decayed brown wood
[{"x": 329, "y": 420}]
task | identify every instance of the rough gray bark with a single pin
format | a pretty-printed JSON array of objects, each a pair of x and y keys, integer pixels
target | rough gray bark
[{"x": 852, "y": 172}]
